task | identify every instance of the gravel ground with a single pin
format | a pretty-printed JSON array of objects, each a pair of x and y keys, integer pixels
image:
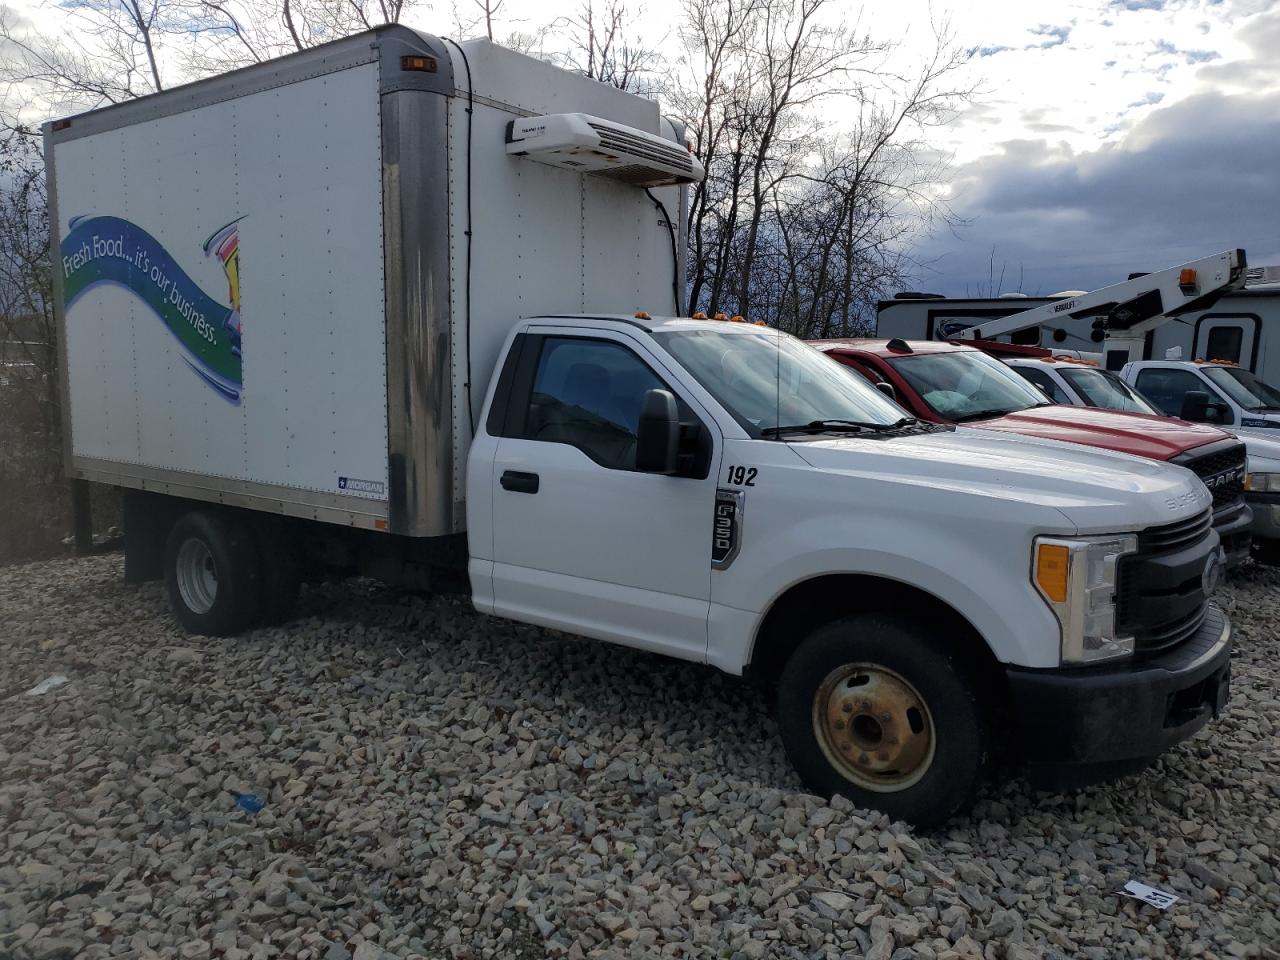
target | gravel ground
[{"x": 446, "y": 785}]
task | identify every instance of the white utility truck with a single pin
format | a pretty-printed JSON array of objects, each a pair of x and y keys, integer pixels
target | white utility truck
[
  {"x": 282, "y": 293},
  {"x": 1228, "y": 395}
]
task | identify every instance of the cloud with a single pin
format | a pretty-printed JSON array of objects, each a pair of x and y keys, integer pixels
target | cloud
[
  {"x": 1187, "y": 56},
  {"x": 1189, "y": 179},
  {"x": 988, "y": 51},
  {"x": 1054, "y": 36}
]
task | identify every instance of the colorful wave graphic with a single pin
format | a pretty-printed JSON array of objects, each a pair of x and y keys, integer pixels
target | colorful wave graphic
[{"x": 111, "y": 250}]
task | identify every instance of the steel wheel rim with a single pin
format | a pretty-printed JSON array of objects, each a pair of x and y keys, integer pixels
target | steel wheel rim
[
  {"x": 874, "y": 727},
  {"x": 197, "y": 576}
]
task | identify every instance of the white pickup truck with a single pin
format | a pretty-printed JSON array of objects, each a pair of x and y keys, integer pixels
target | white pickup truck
[
  {"x": 1226, "y": 395},
  {"x": 924, "y": 597}
]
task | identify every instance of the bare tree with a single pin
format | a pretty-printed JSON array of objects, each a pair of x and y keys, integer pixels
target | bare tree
[
  {"x": 818, "y": 166},
  {"x": 599, "y": 42}
]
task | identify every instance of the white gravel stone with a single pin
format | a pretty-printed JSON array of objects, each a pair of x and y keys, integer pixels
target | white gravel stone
[{"x": 441, "y": 784}]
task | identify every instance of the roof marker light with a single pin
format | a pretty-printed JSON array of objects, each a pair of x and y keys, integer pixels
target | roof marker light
[
  {"x": 721, "y": 316},
  {"x": 698, "y": 316},
  {"x": 418, "y": 63},
  {"x": 1187, "y": 280},
  {"x": 641, "y": 315},
  {"x": 737, "y": 318}
]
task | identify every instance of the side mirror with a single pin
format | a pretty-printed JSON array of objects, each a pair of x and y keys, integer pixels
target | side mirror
[
  {"x": 658, "y": 436},
  {"x": 885, "y": 387},
  {"x": 1195, "y": 406}
]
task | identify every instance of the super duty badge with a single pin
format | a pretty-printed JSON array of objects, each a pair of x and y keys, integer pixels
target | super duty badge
[{"x": 726, "y": 527}]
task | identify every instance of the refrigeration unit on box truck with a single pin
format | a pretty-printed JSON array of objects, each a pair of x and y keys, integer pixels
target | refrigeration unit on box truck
[{"x": 379, "y": 308}]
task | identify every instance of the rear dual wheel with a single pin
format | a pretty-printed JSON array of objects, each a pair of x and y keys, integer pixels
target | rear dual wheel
[
  {"x": 887, "y": 713},
  {"x": 224, "y": 575}
]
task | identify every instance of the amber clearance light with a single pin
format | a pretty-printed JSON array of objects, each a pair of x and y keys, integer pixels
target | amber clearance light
[{"x": 1053, "y": 564}]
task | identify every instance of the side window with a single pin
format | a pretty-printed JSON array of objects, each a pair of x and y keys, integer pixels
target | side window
[
  {"x": 1166, "y": 388},
  {"x": 866, "y": 370},
  {"x": 1224, "y": 343},
  {"x": 588, "y": 393},
  {"x": 1042, "y": 379}
]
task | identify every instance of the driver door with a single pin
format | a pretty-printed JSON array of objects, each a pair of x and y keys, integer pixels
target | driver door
[{"x": 582, "y": 540}]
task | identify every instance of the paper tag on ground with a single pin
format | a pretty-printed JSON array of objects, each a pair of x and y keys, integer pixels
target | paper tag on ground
[
  {"x": 1157, "y": 898},
  {"x": 44, "y": 686}
]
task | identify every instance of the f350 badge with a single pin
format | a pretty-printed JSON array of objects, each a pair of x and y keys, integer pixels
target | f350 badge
[{"x": 726, "y": 528}]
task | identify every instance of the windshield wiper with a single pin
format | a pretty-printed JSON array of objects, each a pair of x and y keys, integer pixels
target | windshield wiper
[
  {"x": 821, "y": 426},
  {"x": 995, "y": 412}
]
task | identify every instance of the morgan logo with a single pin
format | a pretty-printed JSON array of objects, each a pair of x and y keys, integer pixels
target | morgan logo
[{"x": 352, "y": 485}]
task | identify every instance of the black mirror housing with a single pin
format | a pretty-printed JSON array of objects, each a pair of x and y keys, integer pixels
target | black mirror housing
[
  {"x": 658, "y": 435},
  {"x": 1195, "y": 406},
  {"x": 885, "y": 387}
]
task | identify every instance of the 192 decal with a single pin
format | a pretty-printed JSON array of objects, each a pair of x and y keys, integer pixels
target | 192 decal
[{"x": 742, "y": 476}]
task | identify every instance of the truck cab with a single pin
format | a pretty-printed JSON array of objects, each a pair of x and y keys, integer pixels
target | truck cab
[
  {"x": 952, "y": 383},
  {"x": 722, "y": 493},
  {"x": 1233, "y": 398}
]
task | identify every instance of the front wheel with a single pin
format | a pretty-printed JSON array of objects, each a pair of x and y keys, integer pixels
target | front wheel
[
  {"x": 887, "y": 713},
  {"x": 1266, "y": 552}
]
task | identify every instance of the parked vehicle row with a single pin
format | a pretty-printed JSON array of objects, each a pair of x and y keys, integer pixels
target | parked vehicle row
[
  {"x": 954, "y": 383},
  {"x": 1182, "y": 389},
  {"x": 433, "y": 383}
]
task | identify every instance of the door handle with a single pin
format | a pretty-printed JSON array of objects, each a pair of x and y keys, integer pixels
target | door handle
[{"x": 518, "y": 482}]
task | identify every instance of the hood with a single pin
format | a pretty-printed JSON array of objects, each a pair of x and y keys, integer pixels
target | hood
[
  {"x": 1263, "y": 449},
  {"x": 1264, "y": 426},
  {"x": 1097, "y": 491},
  {"x": 1140, "y": 434}
]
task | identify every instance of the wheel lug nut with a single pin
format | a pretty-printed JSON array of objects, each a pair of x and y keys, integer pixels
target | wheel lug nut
[
  {"x": 847, "y": 707},
  {"x": 891, "y": 741},
  {"x": 864, "y": 759},
  {"x": 865, "y": 705},
  {"x": 885, "y": 718},
  {"x": 839, "y": 724},
  {"x": 883, "y": 755}
]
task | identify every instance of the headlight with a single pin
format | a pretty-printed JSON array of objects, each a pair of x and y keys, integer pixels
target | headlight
[
  {"x": 1262, "y": 482},
  {"x": 1077, "y": 577}
]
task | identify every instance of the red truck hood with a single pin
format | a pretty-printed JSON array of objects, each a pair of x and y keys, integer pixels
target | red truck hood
[{"x": 1157, "y": 438}]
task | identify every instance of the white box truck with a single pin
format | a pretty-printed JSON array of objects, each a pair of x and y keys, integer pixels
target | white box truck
[{"x": 282, "y": 293}]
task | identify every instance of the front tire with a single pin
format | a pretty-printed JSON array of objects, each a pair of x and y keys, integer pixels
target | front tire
[
  {"x": 1266, "y": 552},
  {"x": 212, "y": 574},
  {"x": 887, "y": 713}
]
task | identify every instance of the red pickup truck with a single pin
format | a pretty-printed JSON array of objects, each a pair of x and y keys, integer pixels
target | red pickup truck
[{"x": 951, "y": 383}]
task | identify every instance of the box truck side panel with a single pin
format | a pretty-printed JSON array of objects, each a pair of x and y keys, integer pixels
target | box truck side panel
[
  {"x": 537, "y": 87},
  {"x": 544, "y": 240},
  {"x": 222, "y": 277}
]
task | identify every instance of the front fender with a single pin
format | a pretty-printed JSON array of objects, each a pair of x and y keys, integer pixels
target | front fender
[{"x": 985, "y": 580}]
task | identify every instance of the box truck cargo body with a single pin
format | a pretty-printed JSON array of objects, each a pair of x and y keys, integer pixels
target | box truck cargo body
[
  {"x": 400, "y": 307},
  {"x": 279, "y": 285}
]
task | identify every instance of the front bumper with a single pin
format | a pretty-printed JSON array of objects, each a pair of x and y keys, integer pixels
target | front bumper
[
  {"x": 1235, "y": 526},
  {"x": 1098, "y": 723},
  {"x": 1266, "y": 515}
]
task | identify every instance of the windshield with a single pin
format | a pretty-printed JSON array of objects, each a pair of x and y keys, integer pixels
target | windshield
[
  {"x": 1244, "y": 388},
  {"x": 967, "y": 384},
  {"x": 1102, "y": 388},
  {"x": 769, "y": 379}
]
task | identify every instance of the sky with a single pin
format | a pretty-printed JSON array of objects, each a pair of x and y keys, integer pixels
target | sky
[
  {"x": 1105, "y": 136},
  {"x": 1110, "y": 136}
]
